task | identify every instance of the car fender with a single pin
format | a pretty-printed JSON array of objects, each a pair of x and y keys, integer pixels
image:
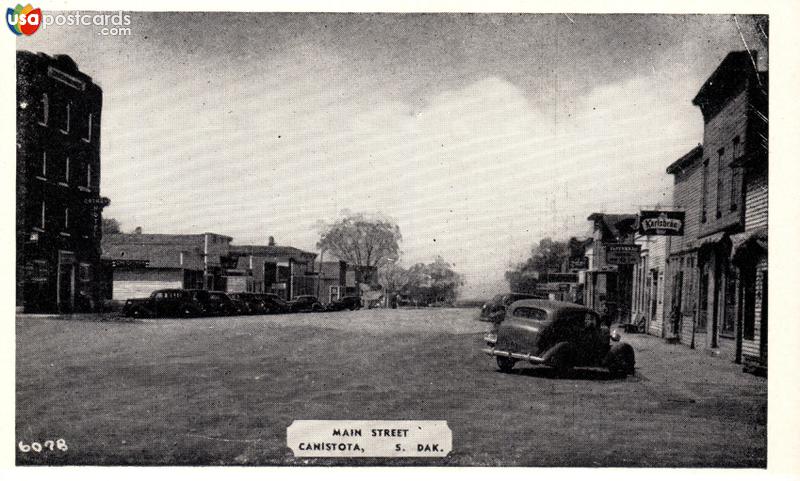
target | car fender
[
  {"x": 621, "y": 350},
  {"x": 560, "y": 355}
]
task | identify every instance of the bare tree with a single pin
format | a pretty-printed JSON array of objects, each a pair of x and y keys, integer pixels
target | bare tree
[{"x": 362, "y": 241}]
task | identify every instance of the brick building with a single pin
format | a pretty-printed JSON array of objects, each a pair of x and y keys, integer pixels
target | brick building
[
  {"x": 59, "y": 207},
  {"x": 283, "y": 270},
  {"x": 142, "y": 263}
]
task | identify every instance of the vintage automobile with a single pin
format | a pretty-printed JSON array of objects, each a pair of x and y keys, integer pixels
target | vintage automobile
[
  {"x": 495, "y": 309},
  {"x": 347, "y": 302},
  {"x": 249, "y": 302},
  {"x": 275, "y": 304},
  {"x": 219, "y": 304},
  {"x": 305, "y": 304},
  {"x": 557, "y": 334},
  {"x": 167, "y": 303}
]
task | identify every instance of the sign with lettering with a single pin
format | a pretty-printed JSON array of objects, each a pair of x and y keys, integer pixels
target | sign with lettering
[
  {"x": 657, "y": 222},
  {"x": 578, "y": 263},
  {"x": 365, "y": 439},
  {"x": 622, "y": 253}
]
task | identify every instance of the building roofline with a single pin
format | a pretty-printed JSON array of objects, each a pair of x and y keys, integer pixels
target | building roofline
[{"x": 687, "y": 159}]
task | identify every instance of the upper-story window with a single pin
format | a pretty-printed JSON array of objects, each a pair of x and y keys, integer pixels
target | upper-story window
[
  {"x": 44, "y": 112},
  {"x": 89, "y": 176},
  {"x": 720, "y": 185},
  {"x": 44, "y": 163},
  {"x": 66, "y": 170},
  {"x": 88, "y": 137},
  {"x": 737, "y": 148},
  {"x": 43, "y": 214},
  {"x": 67, "y": 113},
  {"x": 66, "y": 218},
  {"x": 704, "y": 192}
]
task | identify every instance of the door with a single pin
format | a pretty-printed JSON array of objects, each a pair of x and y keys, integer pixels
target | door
[
  {"x": 676, "y": 313},
  {"x": 66, "y": 287}
]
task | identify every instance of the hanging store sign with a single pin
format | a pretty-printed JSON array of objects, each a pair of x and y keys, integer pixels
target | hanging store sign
[
  {"x": 622, "y": 253},
  {"x": 657, "y": 222}
]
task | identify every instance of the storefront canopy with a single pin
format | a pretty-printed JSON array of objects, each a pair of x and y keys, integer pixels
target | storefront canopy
[{"x": 748, "y": 244}]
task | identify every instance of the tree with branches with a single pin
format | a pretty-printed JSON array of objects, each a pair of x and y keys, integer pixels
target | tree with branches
[{"x": 362, "y": 240}]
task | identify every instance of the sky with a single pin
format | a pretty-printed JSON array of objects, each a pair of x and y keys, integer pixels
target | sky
[{"x": 479, "y": 134}]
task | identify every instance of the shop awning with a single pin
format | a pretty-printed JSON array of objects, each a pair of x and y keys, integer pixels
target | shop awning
[
  {"x": 744, "y": 243},
  {"x": 711, "y": 239}
]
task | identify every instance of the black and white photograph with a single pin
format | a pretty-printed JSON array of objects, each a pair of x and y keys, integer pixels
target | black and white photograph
[{"x": 379, "y": 238}]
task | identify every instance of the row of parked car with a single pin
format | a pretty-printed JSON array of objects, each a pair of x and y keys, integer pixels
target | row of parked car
[{"x": 199, "y": 302}]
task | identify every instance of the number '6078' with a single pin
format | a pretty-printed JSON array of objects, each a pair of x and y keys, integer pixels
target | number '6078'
[{"x": 36, "y": 447}]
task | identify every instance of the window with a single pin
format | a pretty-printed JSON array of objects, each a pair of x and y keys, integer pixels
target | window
[
  {"x": 42, "y": 219},
  {"x": 749, "y": 321},
  {"x": 44, "y": 113},
  {"x": 84, "y": 272},
  {"x": 66, "y": 170},
  {"x": 720, "y": 170},
  {"x": 88, "y": 137},
  {"x": 737, "y": 148},
  {"x": 66, "y": 218},
  {"x": 530, "y": 313},
  {"x": 65, "y": 130},
  {"x": 44, "y": 163},
  {"x": 736, "y": 174},
  {"x": 590, "y": 320},
  {"x": 88, "y": 175},
  {"x": 704, "y": 192}
]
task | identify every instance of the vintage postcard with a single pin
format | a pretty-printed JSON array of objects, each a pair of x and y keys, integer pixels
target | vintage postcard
[{"x": 393, "y": 238}]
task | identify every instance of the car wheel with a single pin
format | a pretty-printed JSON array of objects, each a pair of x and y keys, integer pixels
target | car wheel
[
  {"x": 621, "y": 360},
  {"x": 505, "y": 364}
]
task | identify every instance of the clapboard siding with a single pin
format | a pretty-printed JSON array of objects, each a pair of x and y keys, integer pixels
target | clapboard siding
[
  {"x": 719, "y": 133},
  {"x": 757, "y": 201},
  {"x": 752, "y": 348},
  {"x": 687, "y": 196}
]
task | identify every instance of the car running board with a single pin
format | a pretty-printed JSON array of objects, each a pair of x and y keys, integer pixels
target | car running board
[{"x": 514, "y": 355}]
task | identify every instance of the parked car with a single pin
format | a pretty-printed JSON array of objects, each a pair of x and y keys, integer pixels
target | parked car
[
  {"x": 250, "y": 302},
  {"x": 166, "y": 303},
  {"x": 557, "y": 334},
  {"x": 347, "y": 302},
  {"x": 219, "y": 304},
  {"x": 275, "y": 304},
  {"x": 495, "y": 309},
  {"x": 305, "y": 304}
]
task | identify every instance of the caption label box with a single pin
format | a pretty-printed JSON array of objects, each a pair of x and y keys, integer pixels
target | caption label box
[{"x": 377, "y": 439}]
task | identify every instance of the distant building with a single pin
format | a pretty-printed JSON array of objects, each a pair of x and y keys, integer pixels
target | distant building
[
  {"x": 58, "y": 185},
  {"x": 283, "y": 270},
  {"x": 332, "y": 280},
  {"x": 647, "y": 301},
  {"x": 142, "y": 263},
  {"x": 611, "y": 257}
]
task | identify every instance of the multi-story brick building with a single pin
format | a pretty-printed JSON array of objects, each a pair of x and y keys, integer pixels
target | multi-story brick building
[{"x": 59, "y": 205}]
